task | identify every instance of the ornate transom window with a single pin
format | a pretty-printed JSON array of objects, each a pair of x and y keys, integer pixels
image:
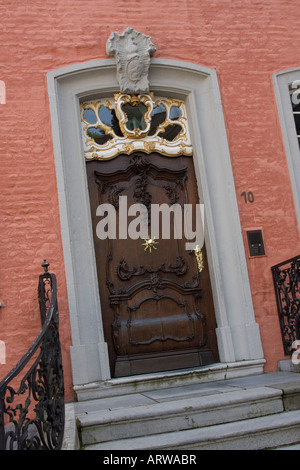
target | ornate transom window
[{"x": 126, "y": 123}]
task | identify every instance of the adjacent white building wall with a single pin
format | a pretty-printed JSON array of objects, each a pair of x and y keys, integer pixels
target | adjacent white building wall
[
  {"x": 281, "y": 86},
  {"x": 237, "y": 332}
]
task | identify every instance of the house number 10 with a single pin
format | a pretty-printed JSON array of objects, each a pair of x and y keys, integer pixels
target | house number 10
[{"x": 248, "y": 197}]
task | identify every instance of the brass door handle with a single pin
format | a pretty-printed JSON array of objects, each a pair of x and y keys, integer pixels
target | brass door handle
[{"x": 199, "y": 258}]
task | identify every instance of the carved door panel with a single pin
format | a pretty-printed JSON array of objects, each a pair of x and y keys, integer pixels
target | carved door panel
[{"x": 157, "y": 309}]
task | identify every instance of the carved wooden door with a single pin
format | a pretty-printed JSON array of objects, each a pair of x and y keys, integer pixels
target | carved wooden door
[{"x": 157, "y": 309}]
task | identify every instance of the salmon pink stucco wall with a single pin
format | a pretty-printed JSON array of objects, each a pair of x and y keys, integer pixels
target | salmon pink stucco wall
[{"x": 245, "y": 41}]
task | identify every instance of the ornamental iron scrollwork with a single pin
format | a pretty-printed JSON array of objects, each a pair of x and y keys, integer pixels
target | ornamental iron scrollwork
[
  {"x": 286, "y": 278},
  {"x": 32, "y": 394}
]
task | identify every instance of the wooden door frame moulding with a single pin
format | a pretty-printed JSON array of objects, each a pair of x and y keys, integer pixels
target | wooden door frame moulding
[{"x": 237, "y": 331}]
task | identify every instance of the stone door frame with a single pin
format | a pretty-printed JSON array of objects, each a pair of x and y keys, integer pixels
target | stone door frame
[{"x": 237, "y": 331}]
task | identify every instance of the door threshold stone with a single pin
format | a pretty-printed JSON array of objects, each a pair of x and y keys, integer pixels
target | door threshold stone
[{"x": 168, "y": 379}]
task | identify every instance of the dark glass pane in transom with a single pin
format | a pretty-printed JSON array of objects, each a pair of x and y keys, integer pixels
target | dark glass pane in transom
[
  {"x": 175, "y": 113},
  {"x": 90, "y": 116},
  {"x": 135, "y": 116},
  {"x": 108, "y": 117},
  {"x": 158, "y": 116},
  {"x": 170, "y": 132},
  {"x": 98, "y": 135}
]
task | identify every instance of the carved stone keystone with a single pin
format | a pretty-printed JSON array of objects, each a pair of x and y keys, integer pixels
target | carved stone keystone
[{"x": 132, "y": 51}]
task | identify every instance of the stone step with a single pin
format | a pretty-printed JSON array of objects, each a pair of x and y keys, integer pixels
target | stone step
[
  {"x": 139, "y": 416},
  {"x": 160, "y": 417},
  {"x": 265, "y": 432},
  {"x": 289, "y": 447}
]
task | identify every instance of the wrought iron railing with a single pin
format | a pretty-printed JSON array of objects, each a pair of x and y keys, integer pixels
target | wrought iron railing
[
  {"x": 32, "y": 393},
  {"x": 286, "y": 277}
]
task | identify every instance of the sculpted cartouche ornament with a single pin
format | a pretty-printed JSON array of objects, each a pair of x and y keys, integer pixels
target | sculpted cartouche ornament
[{"x": 132, "y": 51}]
